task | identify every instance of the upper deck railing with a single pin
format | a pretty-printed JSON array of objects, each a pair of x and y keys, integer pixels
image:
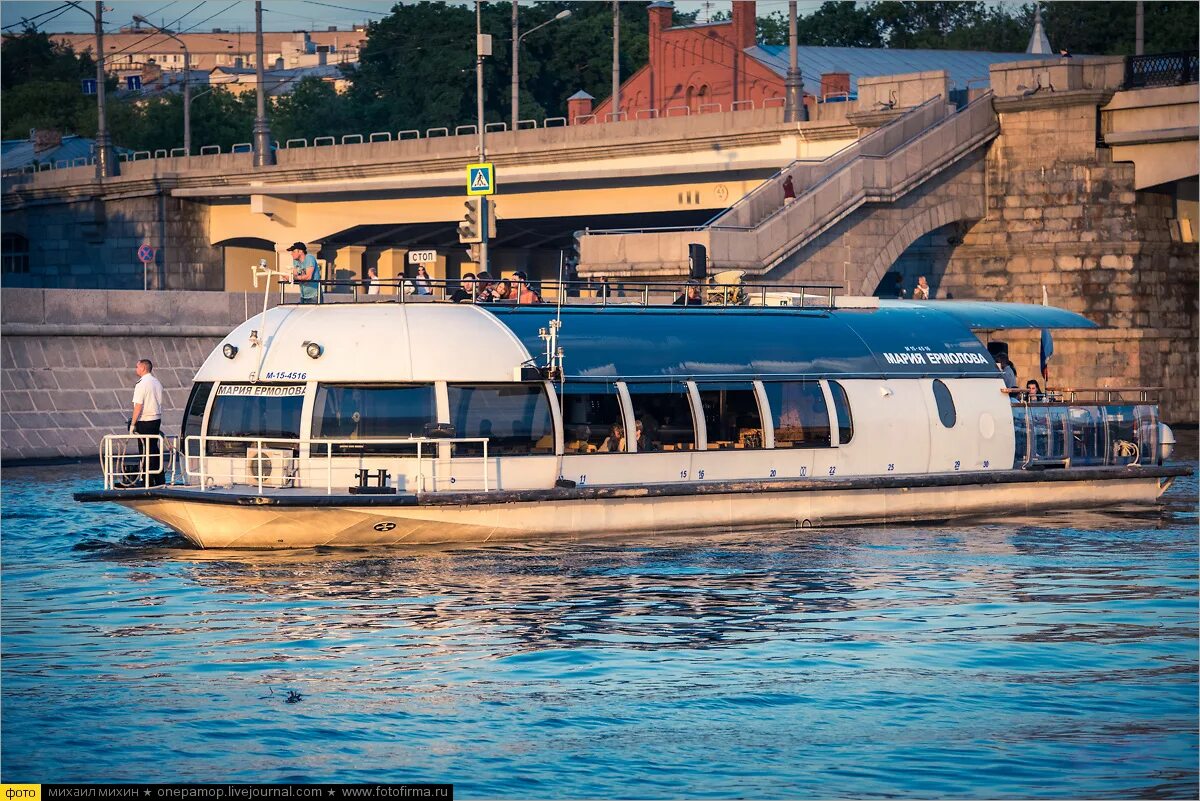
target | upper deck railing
[{"x": 570, "y": 293}]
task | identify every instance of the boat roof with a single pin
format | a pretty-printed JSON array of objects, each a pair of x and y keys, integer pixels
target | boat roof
[
  {"x": 992, "y": 316},
  {"x": 405, "y": 342},
  {"x": 902, "y": 339}
]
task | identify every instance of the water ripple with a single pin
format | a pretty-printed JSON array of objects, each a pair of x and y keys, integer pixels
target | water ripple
[{"x": 1048, "y": 657}]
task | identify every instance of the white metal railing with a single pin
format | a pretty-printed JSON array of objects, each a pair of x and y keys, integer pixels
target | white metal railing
[
  {"x": 115, "y": 458},
  {"x": 306, "y": 467}
]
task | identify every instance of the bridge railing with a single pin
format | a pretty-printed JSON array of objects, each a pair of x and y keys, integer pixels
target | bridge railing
[
  {"x": 767, "y": 198},
  {"x": 379, "y": 137},
  {"x": 873, "y": 177},
  {"x": 1166, "y": 69}
]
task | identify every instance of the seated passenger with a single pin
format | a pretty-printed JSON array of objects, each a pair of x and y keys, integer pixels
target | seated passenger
[
  {"x": 502, "y": 291},
  {"x": 1006, "y": 368},
  {"x": 615, "y": 441},
  {"x": 523, "y": 293},
  {"x": 466, "y": 289},
  {"x": 1033, "y": 391},
  {"x": 690, "y": 295},
  {"x": 643, "y": 442},
  {"x": 484, "y": 287}
]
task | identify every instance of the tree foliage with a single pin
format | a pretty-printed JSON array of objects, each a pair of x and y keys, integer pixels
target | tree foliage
[{"x": 417, "y": 69}]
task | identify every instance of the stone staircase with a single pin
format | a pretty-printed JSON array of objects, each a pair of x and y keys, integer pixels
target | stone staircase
[{"x": 761, "y": 230}]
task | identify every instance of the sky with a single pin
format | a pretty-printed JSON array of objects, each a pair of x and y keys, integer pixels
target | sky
[{"x": 278, "y": 15}]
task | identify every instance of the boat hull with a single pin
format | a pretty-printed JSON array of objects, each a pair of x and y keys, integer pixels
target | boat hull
[{"x": 252, "y": 522}]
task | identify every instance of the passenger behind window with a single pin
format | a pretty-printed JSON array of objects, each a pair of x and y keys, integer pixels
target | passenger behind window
[
  {"x": 615, "y": 441},
  {"x": 643, "y": 445}
]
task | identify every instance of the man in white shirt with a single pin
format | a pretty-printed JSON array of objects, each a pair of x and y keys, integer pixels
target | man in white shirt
[{"x": 147, "y": 419}]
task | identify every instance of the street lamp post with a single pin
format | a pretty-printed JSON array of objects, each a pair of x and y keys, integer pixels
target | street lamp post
[
  {"x": 264, "y": 156},
  {"x": 516, "y": 50},
  {"x": 106, "y": 163},
  {"x": 187, "y": 81}
]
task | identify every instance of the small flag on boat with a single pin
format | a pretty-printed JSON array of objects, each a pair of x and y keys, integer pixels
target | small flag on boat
[{"x": 1046, "y": 351}]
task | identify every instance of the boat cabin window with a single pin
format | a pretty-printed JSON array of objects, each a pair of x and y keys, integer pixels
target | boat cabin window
[
  {"x": 193, "y": 412},
  {"x": 262, "y": 411},
  {"x": 841, "y": 407},
  {"x": 945, "y": 403},
  {"x": 515, "y": 418},
  {"x": 731, "y": 416},
  {"x": 665, "y": 414},
  {"x": 372, "y": 411},
  {"x": 801, "y": 417},
  {"x": 592, "y": 421}
]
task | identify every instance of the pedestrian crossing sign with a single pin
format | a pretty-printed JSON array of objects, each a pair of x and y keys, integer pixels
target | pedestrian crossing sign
[{"x": 481, "y": 179}]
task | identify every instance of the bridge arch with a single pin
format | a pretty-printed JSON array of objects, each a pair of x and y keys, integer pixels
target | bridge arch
[{"x": 927, "y": 220}]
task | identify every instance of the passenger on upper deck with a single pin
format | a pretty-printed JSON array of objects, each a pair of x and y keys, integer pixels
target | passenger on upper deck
[
  {"x": 502, "y": 291},
  {"x": 306, "y": 272},
  {"x": 466, "y": 289},
  {"x": 921, "y": 290},
  {"x": 690, "y": 295},
  {"x": 1007, "y": 369},
  {"x": 485, "y": 288},
  {"x": 524, "y": 293},
  {"x": 372, "y": 281},
  {"x": 1033, "y": 391},
  {"x": 420, "y": 284}
]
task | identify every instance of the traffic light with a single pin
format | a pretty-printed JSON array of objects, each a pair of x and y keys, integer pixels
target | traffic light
[{"x": 471, "y": 229}]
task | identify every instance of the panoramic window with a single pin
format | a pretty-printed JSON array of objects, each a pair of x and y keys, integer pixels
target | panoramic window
[
  {"x": 515, "y": 418},
  {"x": 266, "y": 411},
  {"x": 841, "y": 406},
  {"x": 372, "y": 411},
  {"x": 14, "y": 253},
  {"x": 592, "y": 421},
  {"x": 193, "y": 413},
  {"x": 731, "y": 416},
  {"x": 945, "y": 403},
  {"x": 799, "y": 413},
  {"x": 664, "y": 412}
]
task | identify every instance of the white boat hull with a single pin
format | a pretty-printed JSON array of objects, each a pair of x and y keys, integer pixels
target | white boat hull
[{"x": 250, "y": 525}]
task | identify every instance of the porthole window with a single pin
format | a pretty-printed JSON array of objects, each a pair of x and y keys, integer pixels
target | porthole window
[{"x": 945, "y": 403}]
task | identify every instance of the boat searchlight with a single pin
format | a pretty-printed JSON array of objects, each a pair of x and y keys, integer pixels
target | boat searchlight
[
  {"x": 230, "y": 350},
  {"x": 313, "y": 349}
]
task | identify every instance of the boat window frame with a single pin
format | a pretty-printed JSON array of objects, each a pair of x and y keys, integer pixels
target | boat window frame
[
  {"x": 743, "y": 384},
  {"x": 835, "y": 419},
  {"x": 769, "y": 412},
  {"x": 548, "y": 395},
  {"x": 317, "y": 444},
  {"x": 618, "y": 391},
  {"x": 183, "y": 427},
  {"x": 295, "y": 443},
  {"x": 693, "y": 397}
]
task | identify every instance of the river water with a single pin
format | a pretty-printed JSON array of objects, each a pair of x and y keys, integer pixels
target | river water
[{"x": 1044, "y": 657}]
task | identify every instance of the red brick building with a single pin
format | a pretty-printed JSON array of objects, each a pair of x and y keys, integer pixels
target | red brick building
[
  {"x": 718, "y": 66},
  {"x": 697, "y": 67}
]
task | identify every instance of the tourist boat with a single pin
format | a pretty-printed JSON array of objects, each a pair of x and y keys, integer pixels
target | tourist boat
[{"x": 396, "y": 422}]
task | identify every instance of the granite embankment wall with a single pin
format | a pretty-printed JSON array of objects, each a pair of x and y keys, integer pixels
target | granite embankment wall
[{"x": 69, "y": 355}]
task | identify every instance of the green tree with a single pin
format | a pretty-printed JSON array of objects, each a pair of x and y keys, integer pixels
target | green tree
[
  {"x": 313, "y": 108},
  {"x": 32, "y": 56}
]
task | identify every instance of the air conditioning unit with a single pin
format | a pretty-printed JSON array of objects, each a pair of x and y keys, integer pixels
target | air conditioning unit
[{"x": 276, "y": 467}]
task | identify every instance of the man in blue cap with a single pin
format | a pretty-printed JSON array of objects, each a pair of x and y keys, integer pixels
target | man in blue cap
[{"x": 306, "y": 272}]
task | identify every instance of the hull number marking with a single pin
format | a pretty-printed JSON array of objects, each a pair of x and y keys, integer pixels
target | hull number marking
[
  {"x": 832, "y": 470},
  {"x": 773, "y": 472},
  {"x": 957, "y": 464},
  {"x": 891, "y": 467}
]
